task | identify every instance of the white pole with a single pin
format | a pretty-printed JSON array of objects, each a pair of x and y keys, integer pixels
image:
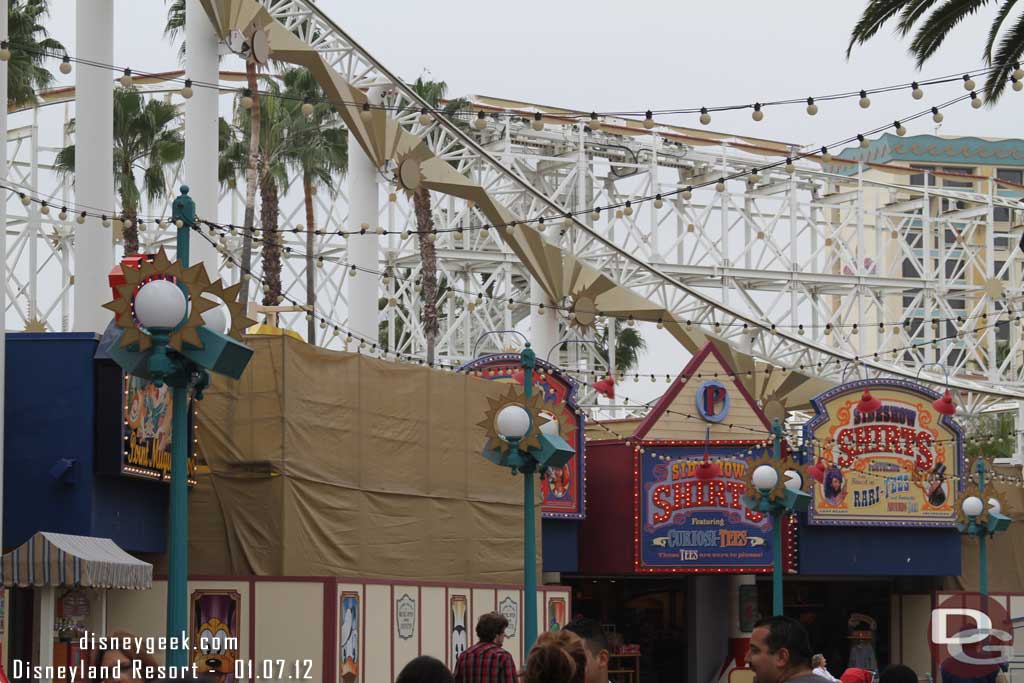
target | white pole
[
  {"x": 361, "y": 292},
  {"x": 543, "y": 328},
  {"x": 45, "y": 597},
  {"x": 201, "y": 111},
  {"x": 94, "y": 161}
]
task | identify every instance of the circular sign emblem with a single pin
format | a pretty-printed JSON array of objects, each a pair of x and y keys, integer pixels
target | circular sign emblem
[
  {"x": 970, "y": 635},
  {"x": 712, "y": 401}
]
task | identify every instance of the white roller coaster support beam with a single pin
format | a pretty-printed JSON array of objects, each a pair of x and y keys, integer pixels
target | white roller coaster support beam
[
  {"x": 94, "y": 161},
  {"x": 201, "y": 62},
  {"x": 543, "y": 328},
  {"x": 363, "y": 249}
]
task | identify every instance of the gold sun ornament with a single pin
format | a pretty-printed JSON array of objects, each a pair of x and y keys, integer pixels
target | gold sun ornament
[
  {"x": 409, "y": 170},
  {"x": 556, "y": 411},
  {"x": 973, "y": 490},
  {"x": 583, "y": 312},
  {"x": 194, "y": 280},
  {"x": 780, "y": 467},
  {"x": 533, "y": 406},
  {"x": 240, "y": 322}
]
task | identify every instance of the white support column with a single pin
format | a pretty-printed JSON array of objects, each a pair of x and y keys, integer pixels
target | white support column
[
  {"x": 201, "y": 112},
  {"x": 4, "y": 4},
  {"x": 44, "y": 606},
  {"x": 543, "y": 328},
  {"x": 364, "y": 202},
  {"x": 94, "y": 161}
]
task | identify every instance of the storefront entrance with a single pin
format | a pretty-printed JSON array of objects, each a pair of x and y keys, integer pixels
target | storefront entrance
[{"x": 647, "y": 613}]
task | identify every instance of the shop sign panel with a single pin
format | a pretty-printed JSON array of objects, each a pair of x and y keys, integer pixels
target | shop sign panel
[{"x": 894, "y": 466}]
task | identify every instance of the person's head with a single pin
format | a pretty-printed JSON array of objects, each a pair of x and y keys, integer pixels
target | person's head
[
  {"x": 425, "y": 670},
  {"x": 779, "y": 649},
  {"x": 818, "y": 660},
  {"x": 898, "y": 673},
  {"x": 557, "y": 657},
  {"x": 595, "y": 644},
  {"x": 124, "y": 654},
  {"x": 491, "y": 628}
]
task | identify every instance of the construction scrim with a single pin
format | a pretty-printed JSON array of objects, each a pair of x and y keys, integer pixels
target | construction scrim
[{"x": 323, "y": 463}]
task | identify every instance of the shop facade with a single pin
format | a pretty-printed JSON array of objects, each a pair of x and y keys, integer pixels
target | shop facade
[{"x": 666, "y": 541}]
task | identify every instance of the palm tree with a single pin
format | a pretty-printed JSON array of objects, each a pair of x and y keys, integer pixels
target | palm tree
[
  {"x": 942, "y": 18},
  {"x": 147, "y": 138},
  {"x": 628, "y": 345},
  {"x": 175, "y": 25},
  {"x": 30, "y": 45},
  {"x": 318, "y": 149}
]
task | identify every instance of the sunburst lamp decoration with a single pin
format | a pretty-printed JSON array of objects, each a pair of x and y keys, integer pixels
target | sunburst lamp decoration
[
  {"x": 973, "y": 519},
  {"x": 520, "y": 436},
  {"x": 778, "y": 487},
  {"x": 172, "y": 330}
]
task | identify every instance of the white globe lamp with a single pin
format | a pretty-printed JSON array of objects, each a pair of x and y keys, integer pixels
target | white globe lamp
[
  {"x": 972, "y": 506},
  {"x": 216, "y": 319},
  {"x": 765, "y": 477},
  {"x": 512, "y": 422},
  {"x": 995, "y": 506},
  {"x": 793, "y": 480},
  {"x": 160, "y": 304}
]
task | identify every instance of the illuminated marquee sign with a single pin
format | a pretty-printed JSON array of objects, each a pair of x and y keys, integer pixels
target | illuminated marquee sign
[
  {"x": 562, "y": 488},
  {"x": 146, "y": 431},
  {"x": 686, "y": 524},
  {"x": 894, "y": 466}
]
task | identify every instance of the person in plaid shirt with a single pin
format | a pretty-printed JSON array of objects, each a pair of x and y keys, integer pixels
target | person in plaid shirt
[{"x": 487, "y": 661}]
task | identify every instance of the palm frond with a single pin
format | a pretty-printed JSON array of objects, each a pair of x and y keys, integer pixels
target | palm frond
[
  {"x": 1011, "y": 47},
  {"x": 997, "y": 24},
  {"x": 875, "y": 15},
  {"x": 938, "y": 26},
  {"x": 914, "y": 10}
]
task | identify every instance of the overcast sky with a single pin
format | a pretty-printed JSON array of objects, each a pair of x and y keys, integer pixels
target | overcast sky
[{"x": 603, "y": 55}]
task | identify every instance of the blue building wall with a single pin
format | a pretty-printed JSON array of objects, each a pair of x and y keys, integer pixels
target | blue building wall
[
  {"x": 878, "y": 551},
  {"x": 51, "y": 414},
  {"x": 560, "y": 545}
]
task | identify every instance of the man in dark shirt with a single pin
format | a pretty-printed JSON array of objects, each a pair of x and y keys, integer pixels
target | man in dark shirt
[
  {"x": 487, "y": 661},
  {"x": 780, "y": 652}
]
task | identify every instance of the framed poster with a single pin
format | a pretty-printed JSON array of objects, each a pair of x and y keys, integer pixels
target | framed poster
[
  {"x": 405, "y": 616},
  {"x": 563, "y": 495},
  {"x": 146, "y": 431},
  {"x": 685, "y": 524},
  {"x": 348, "y": 671},
  {"x": 556, "y": 613},
  {"x": 510, "y": 610},
  {"x": 459, "y": 606},
  {"x": 895, "y": 466},
  {"x": 215, "y": 635}
]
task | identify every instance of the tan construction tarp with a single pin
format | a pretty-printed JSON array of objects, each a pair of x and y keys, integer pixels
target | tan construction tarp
[
  {"x": 324, "y": 463},
  {"x": 1005, "y": 550}
]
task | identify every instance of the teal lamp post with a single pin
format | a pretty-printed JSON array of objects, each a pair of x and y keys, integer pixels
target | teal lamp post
[
  {"x": 520, "y": 438},
  {"x": 974, "y": 520},
  {"x": 174, "y": 332},
  {"x": 777, "y": 487}
]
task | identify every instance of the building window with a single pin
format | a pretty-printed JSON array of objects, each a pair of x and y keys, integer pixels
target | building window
[
  {"x": 1013, "y": 175},
  {"x": 917, "y": 179},
  {"x": 957, "y": 182},
  {"x": 910, "y": 268}
]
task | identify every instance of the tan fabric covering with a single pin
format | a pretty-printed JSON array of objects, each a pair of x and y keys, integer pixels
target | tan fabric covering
[
  {"x": 328, "y": 463},
  {"x": 1005, "y": 549}
]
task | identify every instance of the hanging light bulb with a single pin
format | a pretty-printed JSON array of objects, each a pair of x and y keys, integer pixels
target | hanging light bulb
[
  {"x": 425, "y": 117},
  {"x": 5, "y": 51},
  {"x": 44, "y": 209},
  {"x": 976, "y": 101},
  {"x": 105, "y": 222},
  {"x": 688, "y": 194},
  {"x": 789, "y": 167},
  {"x": 365, "y": 114},
  {"x": 812, "y": 108},
  {"x": 307, "y": 107},
  {"x": 649, "y": 120},
  {"x": 900, "y": 129},
  {"x": 864, "y": 142},
  {"x": 1018, "y": 72},
  {"x": 826, "y": 157},
  {"x": 629, "y": 208},
  {"x": 658, "y": 203},
  {"x": 720, "y": 185},
  {"x": 63, "y": 215},
  {"x": 25, "y": 200},
  {"x": 186, "y": 91},
  {"x": 65, "y": 65},
  {"x": 705, "y": 117},
  {"x": 968, "y": 82},
  {"x": 937, "y": 115},
  {"x": 865, "y": 101},
  {"x": 126, "y": 78},
  {"x": 757, "y": 115},
  {"x": 81, "y": 218},
  {"x": 246, "y": 99},
  {"x": 1017, "y": 84},
  {"x": 538, "y": 124},
  {"x": 916, "y": 93},
  {"x": 596, "y": 214}
]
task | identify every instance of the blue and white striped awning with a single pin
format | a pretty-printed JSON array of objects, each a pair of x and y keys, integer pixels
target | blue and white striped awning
[{"x": 49, "y": 559}]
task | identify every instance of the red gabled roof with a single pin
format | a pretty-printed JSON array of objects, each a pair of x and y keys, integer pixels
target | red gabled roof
[{"x": 687, "y": 375}]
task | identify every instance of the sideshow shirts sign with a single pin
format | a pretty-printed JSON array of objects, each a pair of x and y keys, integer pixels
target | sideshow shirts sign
[
  {"x": 687, "y": 524},
  {"x": 892, "y": 466}
]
